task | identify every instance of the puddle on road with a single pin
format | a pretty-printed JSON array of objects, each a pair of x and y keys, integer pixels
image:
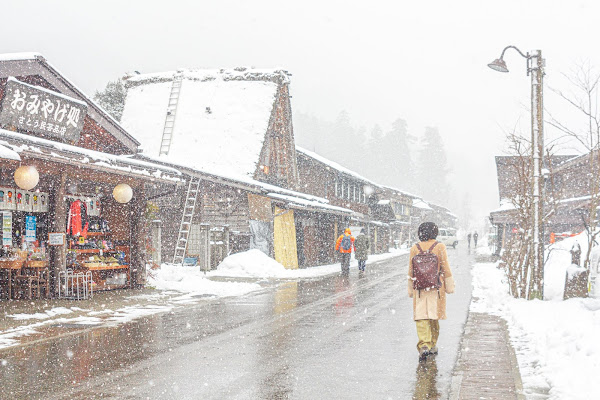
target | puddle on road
[{"x": 426, "y": 383}]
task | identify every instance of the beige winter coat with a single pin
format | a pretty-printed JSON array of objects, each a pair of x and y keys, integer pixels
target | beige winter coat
[{"x": 431, "y": 304}]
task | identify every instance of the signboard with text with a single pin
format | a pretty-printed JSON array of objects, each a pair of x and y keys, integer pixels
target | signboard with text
[
  {"x": 42, "y": 111},
  {"x": 56, "y": 239},
  {"x": 7, "y": 228},
  {"x": 30, "y": 228}
]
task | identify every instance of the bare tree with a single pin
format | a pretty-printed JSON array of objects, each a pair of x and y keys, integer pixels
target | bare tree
[{"x": 517, "y": 258}]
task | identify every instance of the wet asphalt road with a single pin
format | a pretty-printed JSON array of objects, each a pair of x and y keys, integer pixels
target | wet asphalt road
[{"x": 332, "y": 337}]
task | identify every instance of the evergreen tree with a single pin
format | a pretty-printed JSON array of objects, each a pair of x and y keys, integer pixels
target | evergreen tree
[
  {"x": 359, "y": 150},
  {"x": 432, "y": 168},
  {"x": 399, "y": 171},
  {"x": 306, "y": 129},
  {"x": 112, "y": 98},
  {"x": 374, "y": 163},
  {"x": 343, "y": 136}
]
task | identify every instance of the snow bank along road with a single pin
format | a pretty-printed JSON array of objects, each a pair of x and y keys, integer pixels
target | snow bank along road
[{"x": 329, "y": 337}]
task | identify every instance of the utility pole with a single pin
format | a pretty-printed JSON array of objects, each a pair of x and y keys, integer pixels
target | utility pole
[{"x": 536, "y": 68}]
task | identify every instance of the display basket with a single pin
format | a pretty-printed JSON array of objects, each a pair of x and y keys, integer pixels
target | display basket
[
  {"x": 36, "y": 263},
  {"x": 12, "y": 263}
]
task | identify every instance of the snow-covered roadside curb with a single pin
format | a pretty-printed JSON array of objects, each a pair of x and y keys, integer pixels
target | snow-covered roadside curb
[
  {"x": 250, "y": 264},
  {"x": 554, "y": 341}
]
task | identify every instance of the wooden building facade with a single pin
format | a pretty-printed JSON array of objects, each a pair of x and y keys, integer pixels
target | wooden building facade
[
  {"x": 84, "y": 208},
  {"x": 244, "y": 163},
  {"x": 345, "y": 188}
]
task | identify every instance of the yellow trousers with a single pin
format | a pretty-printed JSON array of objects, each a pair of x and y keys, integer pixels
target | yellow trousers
[{"x": 428, "y": 331}]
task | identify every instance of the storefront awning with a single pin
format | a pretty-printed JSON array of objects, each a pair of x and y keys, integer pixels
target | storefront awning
[{"x": 37, "y": 148}]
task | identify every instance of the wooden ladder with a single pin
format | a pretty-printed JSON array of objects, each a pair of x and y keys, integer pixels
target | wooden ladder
[
  {"x": 186, "y": 220},
  {"x": 167, "y": 137}
]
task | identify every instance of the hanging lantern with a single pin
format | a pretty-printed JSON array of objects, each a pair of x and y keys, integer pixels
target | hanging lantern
[
  {"x": 122, "y": 193},
  {"x": 27, "y": 177}
]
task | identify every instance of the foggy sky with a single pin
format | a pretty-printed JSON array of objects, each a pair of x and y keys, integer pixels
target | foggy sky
[{"x": 379, "y": 60}]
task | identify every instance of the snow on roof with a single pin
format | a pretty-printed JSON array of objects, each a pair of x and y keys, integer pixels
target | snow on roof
[
  {"x": 505, "y": 205},
  {"x": 420, "y": 203},
  {"x": 8, "y": 154},
  {"x": 246, "y": 181},
  {"x": 575, "y": 199},
  {"x": 19, "y": 142},
  {"x": 308, "y": 204},
  {"x": 19, "y": 56},
  {"x": 277, "y": 75},
  {"x": 383, "y": 202},
  {"x": 335, "y": 165},
  {"x": 399, "y": 191},
  {"x": 221, "y": 119}
]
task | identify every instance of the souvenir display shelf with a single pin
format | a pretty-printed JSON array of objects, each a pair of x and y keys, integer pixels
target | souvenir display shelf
[{"x": 109, "y": 266}]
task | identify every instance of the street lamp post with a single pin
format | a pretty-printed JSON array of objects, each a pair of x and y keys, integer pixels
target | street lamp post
[{"x": 535, "y": 67}]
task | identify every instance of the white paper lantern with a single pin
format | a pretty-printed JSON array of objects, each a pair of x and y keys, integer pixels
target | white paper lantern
[
  {"x": 122, "y": 193},
  {"x": 27, "y": 177}
]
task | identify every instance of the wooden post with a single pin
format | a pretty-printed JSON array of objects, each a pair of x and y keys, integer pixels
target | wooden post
[
  {"x": 138, "y": 238},
  {"x": 58, "y": 254},
  {"x": 226, "y": 239},
  {"x": 204, "y": 247},
  {"x": 156, "y": 243}
]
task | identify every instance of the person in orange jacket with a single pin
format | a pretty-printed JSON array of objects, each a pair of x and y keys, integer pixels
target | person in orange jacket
[{"x": 344, "y": 246}]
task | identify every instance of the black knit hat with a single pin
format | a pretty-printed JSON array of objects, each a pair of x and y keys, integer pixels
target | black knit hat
[{"x": 427, "y": 231}]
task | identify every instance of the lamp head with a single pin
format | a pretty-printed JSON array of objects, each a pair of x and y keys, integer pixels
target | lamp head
[
  {"x": 498, "y": 65},
  {"x": 27, "y": 177},
  {"x": 122, "y": 193}
]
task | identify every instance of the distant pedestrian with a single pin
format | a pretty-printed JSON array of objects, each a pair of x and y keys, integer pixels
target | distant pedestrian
[
  {"x": 361, "y": 249},
  {"x": 469, "y": 239},
  {"x": 475, "y": 236},
  {"x": 344, "y": 246},
  {"x": 429, "y": 279}
]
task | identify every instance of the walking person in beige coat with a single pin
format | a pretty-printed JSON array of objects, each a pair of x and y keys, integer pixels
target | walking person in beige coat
[{"x": 429, "y": 305}]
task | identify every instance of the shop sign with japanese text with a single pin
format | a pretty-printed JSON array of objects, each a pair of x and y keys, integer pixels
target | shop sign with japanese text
[{"x": 42, "y": 111}]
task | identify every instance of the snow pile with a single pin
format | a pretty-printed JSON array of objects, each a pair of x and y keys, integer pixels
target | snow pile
[
  {"x": 248, "y": 264},
  {"x": 192, "y": 280},
  {"x": 252, "y": 263},
  {"x": 558, "y": 262},
  {"x": 555, "y": 341}
]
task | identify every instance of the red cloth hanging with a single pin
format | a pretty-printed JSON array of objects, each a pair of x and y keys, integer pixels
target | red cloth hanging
[{"x": 77, "y": 223}]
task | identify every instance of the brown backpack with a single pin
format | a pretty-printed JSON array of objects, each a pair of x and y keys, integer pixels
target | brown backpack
[{"x": 426, "y": 271}]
